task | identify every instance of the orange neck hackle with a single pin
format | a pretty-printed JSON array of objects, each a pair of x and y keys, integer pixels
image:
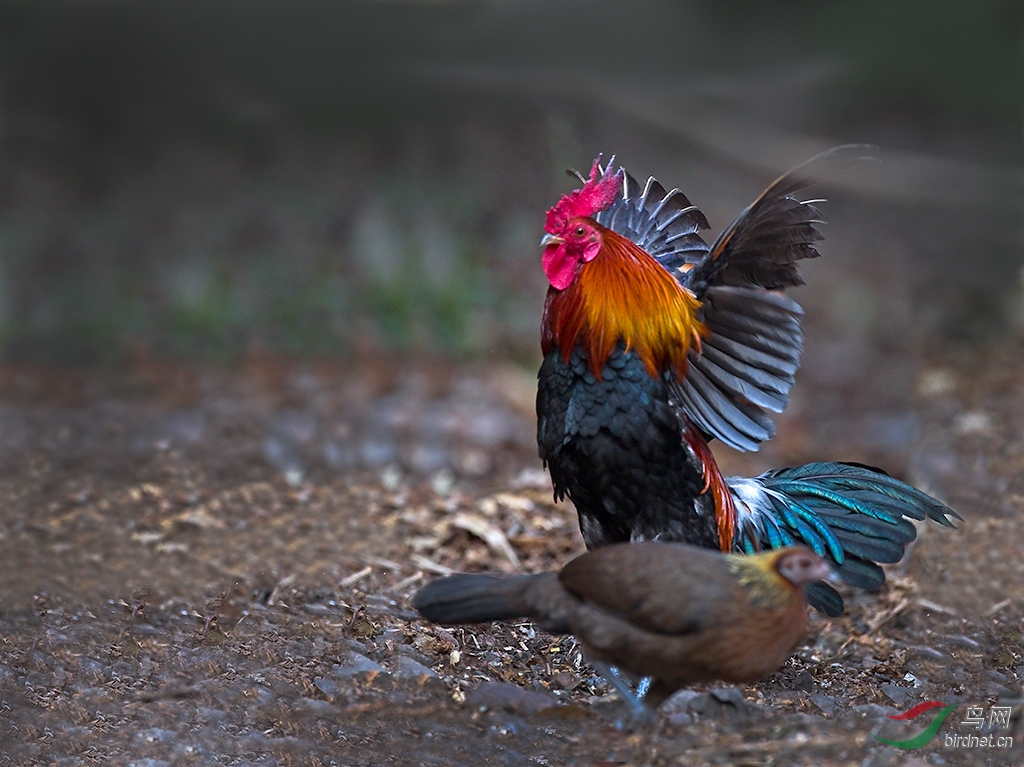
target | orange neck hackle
[{"x": 623, "y": 294}]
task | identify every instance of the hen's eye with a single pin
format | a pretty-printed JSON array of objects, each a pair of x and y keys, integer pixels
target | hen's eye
[{"x": 580, "y": 231}]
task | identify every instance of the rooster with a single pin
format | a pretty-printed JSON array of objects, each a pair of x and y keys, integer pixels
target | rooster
[{"x": 654, "y": 344}]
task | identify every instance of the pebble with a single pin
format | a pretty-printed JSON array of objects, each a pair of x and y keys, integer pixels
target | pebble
[
  {"x": 726, "y": 704},
  {"x": 314, "y": 707},
  {"x": 415, "y": 655},
  {"x": 882, "y": 757},
  {"x": 676, "y": 708},
  {"x": 283, "y": 456},
  {"x": 356, "y": 646},
  {"x": 356, "y": 665},
  {"x": 895, "y": 693},
  {"x": 803, "y": 681},
  {"x": 339, "y": 456},
  {"x": 426, "y": 458},
  {"x": 505, "y": 696},
  {"x": 406, "y": 668},
  {"x": 264, "y": 695},
  {"x": 155, "y": 735},
  {"x": 328, "y": 687},
  {"x": 930, "y": 652},
  {"x": 826, "y": 703},
  {"x": 868, "y": 712},
  {"x": 212, "y": 716},
  {"x": 378, "y": 453},
  {"x": 961, "y": 640}
]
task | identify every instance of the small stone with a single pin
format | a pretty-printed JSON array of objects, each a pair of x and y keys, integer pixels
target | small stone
[
  {"x": 868, "y": 712},
  {"x": 731, "y": 695},
  {"x": 425, "y": 459},
  {"x": 679, "y": 719},
  {"x": 356, "y": 646},
  {"x": 327, "y": 686},
  {"x": 505, "y": 696},
  {"x": 314, "y": 707},
  {"x": 358, "y": 667},
  {"x": 678, "y": 701},
  {"x": 895, "y": 693},
  {"x": 727, "y": 704},
  {"x": 563, "y": 680},
  {"x": 419, "y": 657},
  {"x": 931, "y": 653},
  {"x": 826, "y": 703},
  {"x": 803, "y": 681},
  {"x": 975, "y": 422},
  {"x": 410, "y": 672},
  {"x": 800, "y": 719},
  {"x": 960, "y": 640},
  {"x": 212, "y": 716},
  {"x": 882, "y": 757},
  {"x": 676, "y": 708},
  {"x": 376, "y": 452},
  {"x": 340, "y": 456},
  {"x": 155, "y": 735}
]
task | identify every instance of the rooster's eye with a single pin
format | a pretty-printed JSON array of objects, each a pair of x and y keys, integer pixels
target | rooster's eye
[{"x": 580, "y": 231}]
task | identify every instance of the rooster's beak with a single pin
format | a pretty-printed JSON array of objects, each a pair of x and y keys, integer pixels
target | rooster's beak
[{"x": 550, "y": 239}]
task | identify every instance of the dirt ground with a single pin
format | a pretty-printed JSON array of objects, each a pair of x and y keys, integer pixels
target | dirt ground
[{"x": 209, "y": 568}]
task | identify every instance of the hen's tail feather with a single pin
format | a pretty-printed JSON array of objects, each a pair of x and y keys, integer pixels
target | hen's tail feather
[{"x": 473, "y": 598}]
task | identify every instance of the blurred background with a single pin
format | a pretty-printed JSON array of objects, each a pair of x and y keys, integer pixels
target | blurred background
[
  {"x": 270, "y": 296},
  {"x": 322, "y": 177},
  {"x": 200, "y": 183}
]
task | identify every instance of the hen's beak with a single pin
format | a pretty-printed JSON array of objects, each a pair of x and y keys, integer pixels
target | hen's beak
[
  {"x": 550, "y": 239},
  {"x": 826, "y": 572}
]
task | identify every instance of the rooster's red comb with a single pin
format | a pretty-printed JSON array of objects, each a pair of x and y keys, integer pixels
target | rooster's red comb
[{"x": 595, "y": 195}]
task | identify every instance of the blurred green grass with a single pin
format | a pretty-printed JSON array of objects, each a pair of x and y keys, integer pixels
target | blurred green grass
[{"x": 310, "y": 178}]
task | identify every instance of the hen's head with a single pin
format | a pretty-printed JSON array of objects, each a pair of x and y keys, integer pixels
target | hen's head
[
  {"x": 800, "y": 566},
  {"x": 572, "y": 234}
]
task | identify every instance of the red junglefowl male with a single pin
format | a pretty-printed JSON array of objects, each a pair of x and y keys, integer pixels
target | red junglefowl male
[
  {"x": 655, "y": 343},
  {"x": 669, "y": 611}
]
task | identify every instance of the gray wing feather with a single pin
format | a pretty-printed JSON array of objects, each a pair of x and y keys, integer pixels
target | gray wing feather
[
  {"x": 755, "y": 340},
  {"x": 664, "y": 224},
  {"x": 747, "y": 365}
]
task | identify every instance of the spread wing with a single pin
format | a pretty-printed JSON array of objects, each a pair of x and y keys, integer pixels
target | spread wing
[
  {"x": 748, "y": 362},
  {"x": 664, "y": 224}
]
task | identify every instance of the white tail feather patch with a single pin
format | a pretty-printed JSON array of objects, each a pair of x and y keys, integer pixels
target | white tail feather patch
[{"x": 752, "y": 501}]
